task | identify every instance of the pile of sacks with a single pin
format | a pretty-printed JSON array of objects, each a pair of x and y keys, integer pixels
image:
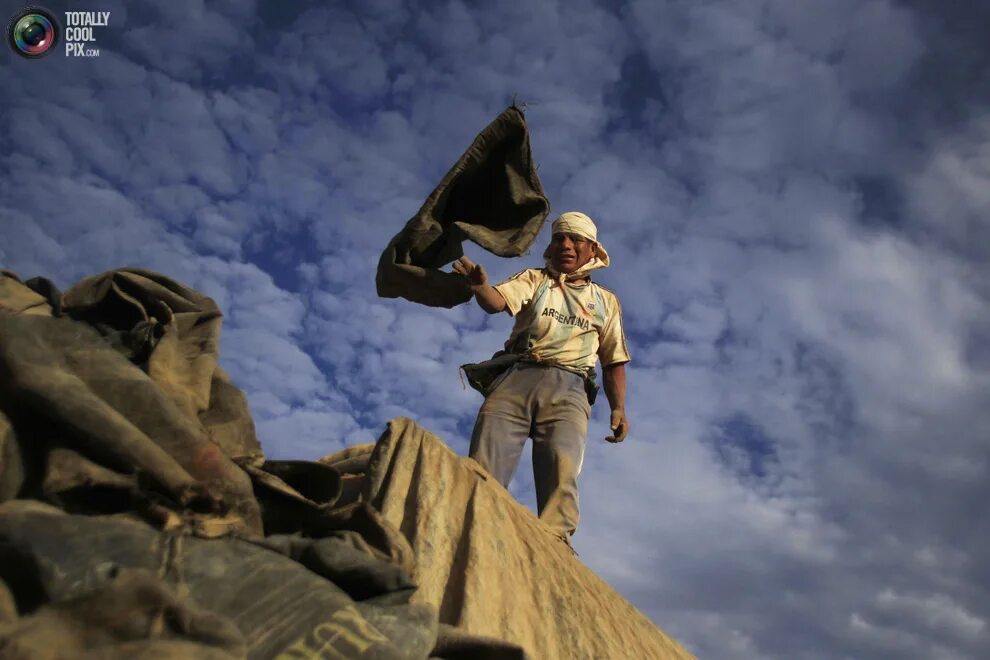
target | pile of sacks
[{"x": 139, "y": 516}]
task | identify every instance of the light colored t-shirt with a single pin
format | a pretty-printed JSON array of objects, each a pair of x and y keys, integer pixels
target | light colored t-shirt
[{"x": 567, "y": 324}]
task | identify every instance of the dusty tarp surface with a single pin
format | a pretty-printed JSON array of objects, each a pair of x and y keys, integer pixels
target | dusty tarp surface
[
  {"x": 139, "y": 517},
  {"x": 492, "y": 196},
  {"x": 490, "y": 566}
]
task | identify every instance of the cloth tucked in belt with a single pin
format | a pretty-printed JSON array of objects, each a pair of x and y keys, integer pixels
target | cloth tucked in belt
[
  {"x": 492, "y": 196},
  {"x": 483, "y": 376}
]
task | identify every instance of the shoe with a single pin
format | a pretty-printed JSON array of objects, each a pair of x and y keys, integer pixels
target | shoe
[{"x": 567, "y": 541}]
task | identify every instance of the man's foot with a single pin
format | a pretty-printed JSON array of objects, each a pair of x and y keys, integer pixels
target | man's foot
[{"x": 567, "y": 541}]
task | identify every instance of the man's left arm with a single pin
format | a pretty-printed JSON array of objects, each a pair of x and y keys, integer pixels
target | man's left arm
[
  {"x": 614, "y": 377},
  {"x": 614, "y": 355}
]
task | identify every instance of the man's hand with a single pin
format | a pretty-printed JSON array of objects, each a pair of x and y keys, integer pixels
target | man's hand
[
  {"x": 475, "y": 273},
  {"x": 488, "y": 298},
  {"x": 615, "y": 390},
  {"x": 620, "y": 426}
]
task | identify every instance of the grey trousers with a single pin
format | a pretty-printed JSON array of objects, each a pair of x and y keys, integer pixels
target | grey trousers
[{"x": 550, "y": 406}]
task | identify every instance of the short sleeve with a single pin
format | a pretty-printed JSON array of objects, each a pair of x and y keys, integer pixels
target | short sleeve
[
  {"x": 612, "y": 348},
  {"x": 519, "y": 289}
]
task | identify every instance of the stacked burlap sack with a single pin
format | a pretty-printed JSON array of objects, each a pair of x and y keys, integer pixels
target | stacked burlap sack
[{"x": 139, "y": 515}]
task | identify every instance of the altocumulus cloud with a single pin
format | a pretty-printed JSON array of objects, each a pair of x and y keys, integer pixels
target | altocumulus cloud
[{"x": 795, "y": 197}]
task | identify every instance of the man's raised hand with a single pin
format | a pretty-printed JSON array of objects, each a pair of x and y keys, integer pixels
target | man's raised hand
[
  {"x": 475, "y": 273},
  {"x": 489, "y": 299}
]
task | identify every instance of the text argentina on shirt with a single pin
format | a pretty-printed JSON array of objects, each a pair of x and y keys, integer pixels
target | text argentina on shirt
[{"x": 567, "y": 320}]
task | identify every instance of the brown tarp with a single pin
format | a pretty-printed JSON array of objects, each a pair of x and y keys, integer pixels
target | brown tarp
[
  {"x": 490, "y": 566},
  {"x": 492, "y": 196}
]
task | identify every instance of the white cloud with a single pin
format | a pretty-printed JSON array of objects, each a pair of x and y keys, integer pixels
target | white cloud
[{"x": 936, "y": 611}]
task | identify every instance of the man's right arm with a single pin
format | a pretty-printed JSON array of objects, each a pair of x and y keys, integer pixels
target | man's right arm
[{"x": 488, "y": 298}]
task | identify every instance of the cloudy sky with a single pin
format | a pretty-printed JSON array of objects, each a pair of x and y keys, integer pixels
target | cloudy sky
[{"x": 795, "y": 195}]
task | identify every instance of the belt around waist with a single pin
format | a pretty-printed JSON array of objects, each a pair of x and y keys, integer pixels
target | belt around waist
[{"x": 523, "y": 363}]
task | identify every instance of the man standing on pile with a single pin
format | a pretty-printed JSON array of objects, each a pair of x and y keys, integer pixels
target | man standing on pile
[{"x": 545, "y": 383}]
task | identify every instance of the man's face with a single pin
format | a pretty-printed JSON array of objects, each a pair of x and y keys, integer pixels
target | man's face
[{"x": 568, "y": 252}]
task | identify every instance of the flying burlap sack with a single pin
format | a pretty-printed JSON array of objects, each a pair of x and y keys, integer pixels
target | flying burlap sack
[{"x": 492, "y": 196}]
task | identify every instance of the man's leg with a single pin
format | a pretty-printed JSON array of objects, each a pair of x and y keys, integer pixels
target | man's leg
[
  {"x": 561, "y": 429},
  {"x": 503, "y": 425}
]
